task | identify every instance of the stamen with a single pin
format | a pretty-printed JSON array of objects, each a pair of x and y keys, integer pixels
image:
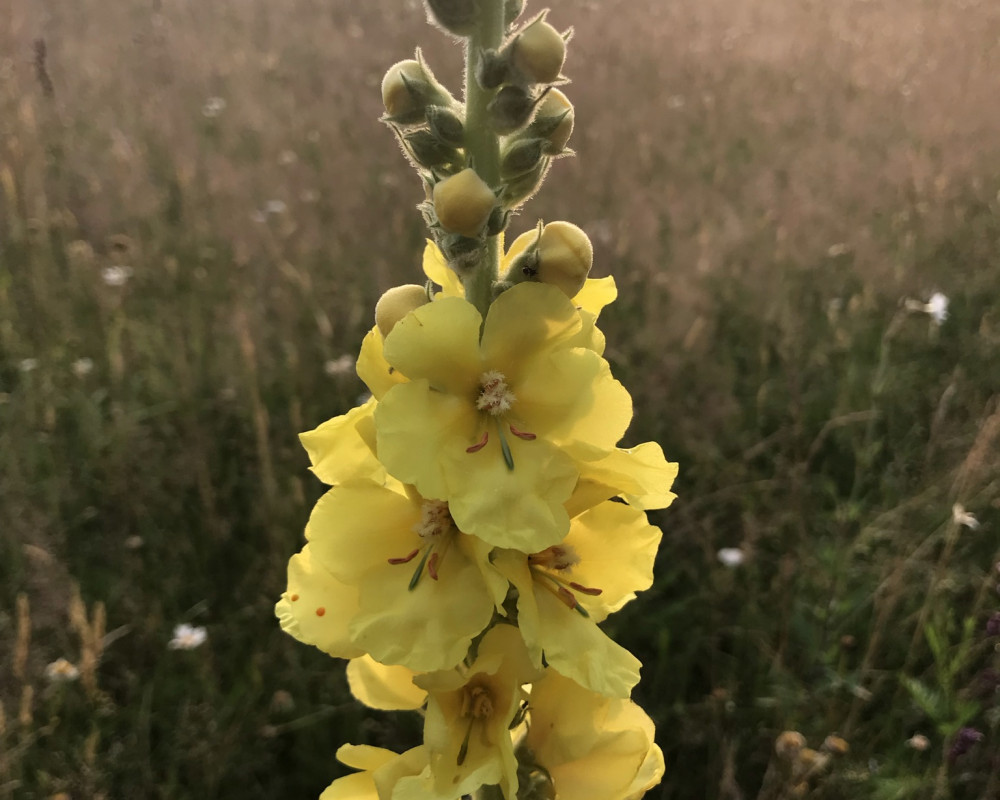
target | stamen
[
  {"x": 432, "y": 566},
  {"x": 482, "y": 443},
  {"x": 463, "y": 751},
  {"x": 589, "y": 590},
  {"x": 405, "y": 559},
  {"x": 420, "y": 568},
  {"x": 528, "y": 437},
  {"x": 505, "y": 448}
]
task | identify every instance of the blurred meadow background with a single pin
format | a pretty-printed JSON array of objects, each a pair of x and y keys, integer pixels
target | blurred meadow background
[{"x": 198, "y": 211}]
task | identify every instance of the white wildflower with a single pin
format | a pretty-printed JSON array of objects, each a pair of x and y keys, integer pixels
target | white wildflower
[
  {"x": 937, "y": 307},
  {"x": 116, "y": 276},
  {"x": 187, "y": 637},
  {"x": 28, "y": 364},
  {"x": 918, "y": 742},
  {"x": 61, "y": 671},
  {"x": 83, "y": 366},
  {"x": 731, "y": 556},
  {"x": 342, "y": 365},
  {"x": 962, "y": 517},
  {"x": 213, "y": 107},
  {"x": 275, "y": 207}
]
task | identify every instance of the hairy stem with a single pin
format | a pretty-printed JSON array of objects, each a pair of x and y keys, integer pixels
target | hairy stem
[{"x": 481, "y": 143}]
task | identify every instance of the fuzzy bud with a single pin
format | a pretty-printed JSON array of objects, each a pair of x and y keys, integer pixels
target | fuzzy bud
[
  {"x": 518, "y": 190},
  {"x": 512, "y": 10},
  {"x": 554, "y": 121},
  {"x": 539, "y": 52},
  {"x": 521, "y": 157},
  {"x": 446, "y": 125},
  {"x": 463, "y": 203},
  {"x": 457, "y": 17},
  {"x": 396, "y": 304},
  {"x": 492, "y": 70},
  {"x": 429, "y": 151},
  {"x": 561, "y": 256},
  {"x": 408, "y": 87},
  {"x": 510, "y": 109}
]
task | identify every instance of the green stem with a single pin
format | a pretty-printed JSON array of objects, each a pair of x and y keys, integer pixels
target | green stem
[{"x": 481, "y": 143}]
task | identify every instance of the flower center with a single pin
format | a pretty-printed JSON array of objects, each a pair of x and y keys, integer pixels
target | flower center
[
  {"x": 545, "y": 567},
  {"x": 436, "y": 530},
  {"x": 477, "y": 707},
  {"x": 495, "y": 395}
]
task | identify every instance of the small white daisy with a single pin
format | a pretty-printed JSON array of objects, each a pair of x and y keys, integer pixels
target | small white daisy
[
  {"x": 187, "y": 637},
  {"x": 937, "y": 307},
  {"x": 213, "y": 107},
  {"x": 343, "y": 365},
  {"x": 731, "y": 556},
  {"x": 83, "y": 366},
  {"x": 61, "y": 671},
  {"x": 28, "y": 364},
  {"x": 962, "y": 517},
  {"x": 116, "y": 276}
]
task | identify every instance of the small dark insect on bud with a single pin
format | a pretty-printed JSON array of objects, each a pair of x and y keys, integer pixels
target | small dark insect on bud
[
  {"x": 521, "y": 157},
  {"x": 457, "y": 17},
  {"x": 446, "y": 125},
  {"x": 510, "y": 109}
]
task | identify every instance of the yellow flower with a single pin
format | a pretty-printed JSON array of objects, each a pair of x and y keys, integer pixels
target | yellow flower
[
  {"x": 566, "y": 589},
  {"x": 387, "y": 688},
  {"x": 381, "y": 771},
  {"x": 487, "y": 426},
  {"x": 339, "y": 449},
  {"x": 641, "y": 474},
  {"x": 387, "y": 567},
  {"x": 589, "y": 746},
  {"x": 469, "y": 715}
]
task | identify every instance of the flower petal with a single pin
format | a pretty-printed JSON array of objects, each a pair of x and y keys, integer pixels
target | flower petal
[
  {"x": 316, "y": 608},
  {"x": 379, "y": 376},
  {"x": 439, "y": 342},
  {"x": 388, "y": 688},
  {"x": 642, "y": 474},
  {"x": 596, "y": 294},
  {"x": 337, "y": 450},
  {"x": 437, "y": 269}
]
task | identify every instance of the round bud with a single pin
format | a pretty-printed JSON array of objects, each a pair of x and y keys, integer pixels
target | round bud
[
  {"x": 396, "y": 304},
  {"x": 457, "y": 17},
  {"x": 399, "y": 93},
  {"x": 510, "y": 109},
  {"x": 520, "y": 157},
  {"x": 539, "y": 52},
  {"x": 554, "y": 121},
  {"x": 463, "y": 203},
  {"x": 565, "y": 257}
]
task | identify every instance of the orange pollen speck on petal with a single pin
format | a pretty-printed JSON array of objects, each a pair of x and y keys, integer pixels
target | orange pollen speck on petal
[
  {"x": 320, "y": 611},
  {"x": 294, "y": 597}
]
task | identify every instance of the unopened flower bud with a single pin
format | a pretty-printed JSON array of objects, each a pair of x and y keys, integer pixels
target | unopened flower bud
[
  {"x": 539, "y": 52},
  {"x": 463, "y": 203},
  {"x": 521, "y": 157},
  {"x": 789, "y": 744},
  {"x": 492, "y": 70},
  {"x": 519, "y": 190},
  {"x": 408, "y": 87},
  {"x": 396, "y": 304},
  {"x": 510, "y": 109},
  {"x": 554, "y": 121},
  {"x": 446, "y": 125},
  {"x": 453, "y": 16},
  {"x": 512, "y": 10},
  {"x": 563, "y": 257},
  {"x": 429, "y": 151}
]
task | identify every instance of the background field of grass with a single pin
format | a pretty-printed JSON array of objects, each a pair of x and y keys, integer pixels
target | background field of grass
[{"x": 769, "y": 183}]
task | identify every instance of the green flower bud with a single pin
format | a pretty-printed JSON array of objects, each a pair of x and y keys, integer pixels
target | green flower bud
[
  {"x": 457, "y": 17},
  {"x": 512, "y": 10},
  {"x": 429, "y": 151},
  {"x": 553, "y": 121},
  {"x": 539, "y": 52},
  {"x": 463, "y": 203},
  {"x": 408, "y": 87},
  {"x": 561, "y": 256},
  {"x": 396, "y": 304},
  {"x": 521, "y": 157},
  {"x": 510, "y": 109},
  {"x": 518, "y": 190},
  {"x": 492, "y": 71},
  {"x": 446, "y": 125}
]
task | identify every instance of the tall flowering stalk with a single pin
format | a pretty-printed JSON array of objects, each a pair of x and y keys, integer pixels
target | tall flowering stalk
[{"x": 482, "y": 521}]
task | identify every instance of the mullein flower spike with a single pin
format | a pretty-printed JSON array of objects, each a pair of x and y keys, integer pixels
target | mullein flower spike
[{"x": 482, "y": 519}]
